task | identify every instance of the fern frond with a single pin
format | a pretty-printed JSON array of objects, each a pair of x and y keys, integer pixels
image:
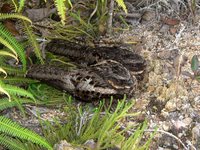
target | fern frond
[
  {"x": 19, "y": 105},
  {"x": 61, "y": 7},
  {"x": 14, "y": 90},
  {"x": 21, "y": 5},
  {"x": 14, "y": 15},
  {"x": 32, "y": 40},
  {"x": 3, "y": 91},
  {"x": 3, "y": 71},
  {"x": 4, "y": 104},
  {"x": 11, "y": 70},
  {"x": 5, "y": 43},
  {"x": 15, "y": 5},
  {"x": 11, "y": 143},
  {"x": 17, "y": 80},
  {"x": 13, "y": 129},
  {"x": 122, "y": 4},
  {"x": 4, "y": 53},
  {"x": 70, "y": 3},
  {"x": 6, "y": 35}
]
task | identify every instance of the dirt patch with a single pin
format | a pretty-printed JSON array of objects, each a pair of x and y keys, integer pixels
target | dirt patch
[{"x": 171, "y": 98}]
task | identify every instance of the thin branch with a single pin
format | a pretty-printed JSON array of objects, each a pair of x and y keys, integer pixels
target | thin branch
[
  {"x": 130, "y": 15},
  {"x": 110, "y": 17}
]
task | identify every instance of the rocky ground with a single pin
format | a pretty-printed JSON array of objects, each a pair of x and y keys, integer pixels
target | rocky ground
[{"x": 170, "y": 99}]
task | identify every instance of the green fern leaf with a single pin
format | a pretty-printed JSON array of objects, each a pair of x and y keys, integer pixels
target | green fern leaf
[
  {"x": 13, "y": 42},
  {"x": 33, "y": 42},
  {"x": 21, "y": 5},
  {"x": 14, "y": 90},
  {"x": 14, "y": 15},
  {"x": 60, "y": 4},
  {"x": 122, "y": 4},
  {"x": 2, "y": 90},
  {"x": 11, "y": 143},
  {"x": 3, "y": 71},
  {"x": 70, "y": 3},
  {"x": 11, "y": 70},
  {"x": 17, "y": 80},
  {"x": 13, "y": 129},
  {"x": 19, "y": 105},
  {"x": 15, "y": 4},
  {"x": 4, "y": 53},
  {"x": 4, "y": 104},
  {"x": 4, "y": 42}
]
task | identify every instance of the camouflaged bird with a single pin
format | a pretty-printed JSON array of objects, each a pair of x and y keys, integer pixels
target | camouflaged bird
[
  {"x": 86, "y": 56},
  {"x": 101, "y": 80}
]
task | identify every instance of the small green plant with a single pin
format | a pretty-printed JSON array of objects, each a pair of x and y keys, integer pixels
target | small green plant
[
  {"x": 195, "y": 69},
  {"x": 16, "y": 48},
  {"x": 102, "y": 127},
  {"x": 10, "y": 90},
  {"x": 11, "y": 132},
  {"x": 32, "y": 41},
  {"x": 14, "y": 16},
  {"x": 47, "y": 95}
]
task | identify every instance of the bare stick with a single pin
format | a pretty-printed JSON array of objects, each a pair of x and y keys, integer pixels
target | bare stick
[
  {"x": 131, "y": 15},
  {"x": 110, "y": 17}
]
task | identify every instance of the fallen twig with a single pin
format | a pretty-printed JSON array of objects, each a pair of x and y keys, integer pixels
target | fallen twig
[
  {"x": 110, "y": 17},
  {"x": 131, "y": 15}
]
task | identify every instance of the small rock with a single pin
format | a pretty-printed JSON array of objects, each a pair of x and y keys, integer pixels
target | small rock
[
  {"x": 164, "y": 113},
  {"x": 148, "y": 16},
  {"x": 166, "y": 126},
  {"x": 90, "y": 144},
  {"x": 164, "y": 29},
  {"x": 179, "y": 124},
  {"x": 196, "y": 134},
  {"x": 64, "y": 145},
  {"x": 175, "y": 146},
  {"x": 170, "y": 106},
  {"x": 187, "y": 121}
]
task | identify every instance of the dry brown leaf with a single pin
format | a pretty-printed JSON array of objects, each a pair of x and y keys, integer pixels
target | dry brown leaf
[
  {"x": 39, "y": 14},
  {"x": 170, "y": 21},
  {"x": 10, "y": 25},
  {"x": 6, "y": 8}
]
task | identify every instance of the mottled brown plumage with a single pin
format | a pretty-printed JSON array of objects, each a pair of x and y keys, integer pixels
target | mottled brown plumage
[
  {"x": 89, "y": 56},
  {"x": 102, "y": 71},
  {"x": 102, "y": 80}
]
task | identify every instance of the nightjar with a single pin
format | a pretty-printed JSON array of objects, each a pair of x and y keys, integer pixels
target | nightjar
[
  {"x": 85, "y": 56},
  {"x": 102, "y": 71},
  {"x": 101, "y": 80}
]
